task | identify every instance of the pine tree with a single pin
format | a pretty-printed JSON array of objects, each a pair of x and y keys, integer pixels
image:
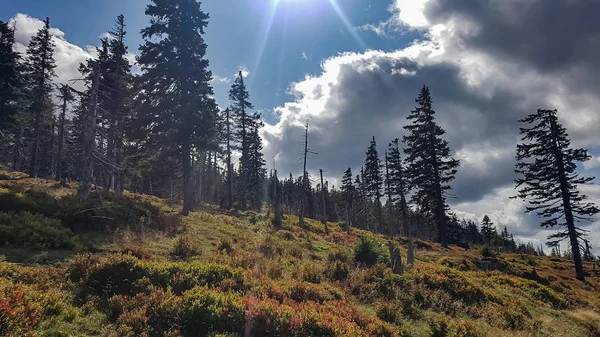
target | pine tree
[
  {"x": 373, "y": 179},
  {"x": 430, "y": 167},
  {"x": 40, "y": 66},
  {"x": 397, "y": 183},
  {"x": 549, "y": 182},
  {"x": 175, "y": 81},
  {"x": 488, "y": 231}
]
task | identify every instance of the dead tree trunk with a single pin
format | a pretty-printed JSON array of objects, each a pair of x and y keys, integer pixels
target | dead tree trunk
[
  {"x": 304, "y": 180},
  {"x": 323, "y": 191},
  {"x": 89, "y": 142}
]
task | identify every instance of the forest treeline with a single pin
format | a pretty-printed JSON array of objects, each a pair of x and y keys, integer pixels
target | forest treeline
[{"x": 161, "y": 132}]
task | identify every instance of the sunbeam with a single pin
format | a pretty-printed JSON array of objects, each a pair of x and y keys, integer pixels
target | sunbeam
[
  {"x": 265, "y": 38},
  {"x": 346, "y": 22}
]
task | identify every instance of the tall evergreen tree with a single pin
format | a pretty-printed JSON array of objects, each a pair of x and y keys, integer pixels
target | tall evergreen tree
[
  {"x": 397, "y": 183},
  {"x": 548, "y": 180},
  {"x": 66, "y": 96},
  {"x": 430, "y": 167},
  {"x": 373, "y": 179},
  {"x": 119, "y": 82},
  {"x": 175, "y": 82},
  {"x": 245, "y": 123},
  {"x": 488, "y": 231},
  {"x": 40, "y": 65},
  {"x": 11, "y": 78},
  {"x": 348, "y": 195},
  {"x": 255, "y": 168}
]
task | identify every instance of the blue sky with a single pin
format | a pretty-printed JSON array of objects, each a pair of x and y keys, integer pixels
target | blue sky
[{"x": 302, "y": 33}]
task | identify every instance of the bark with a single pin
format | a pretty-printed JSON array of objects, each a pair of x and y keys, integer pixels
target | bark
[{"x": 90, "y": 133}]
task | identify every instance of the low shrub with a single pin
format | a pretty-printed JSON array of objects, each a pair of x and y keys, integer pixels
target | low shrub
[
  {"x": 388, "y": 313},
  {"x": 487, "y": 252},
  {"x": 139, "y": 252},
  {"x": 127, "y": 275},
  {"x": 199, "y": 312},
  {"x": 225, "y": 246},
  {"x": 339, "y": 272},
  {"x": 35, "y": 231},
  {"x": 336, "y": 318},
  {"x": 444, "y": 327},
  {"x": 18, "y": 314},
  {"x": 101, "y": 212},
  {"x": 370, "y": 252},
  {"x": 312, "y": 273},
  {"x": 185, "y": 248},
  {"x": 340, "y": 255},
  {"x": 270, "y": 248}
]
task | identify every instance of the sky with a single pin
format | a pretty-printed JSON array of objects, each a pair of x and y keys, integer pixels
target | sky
[{"x": 352, "y": 69}]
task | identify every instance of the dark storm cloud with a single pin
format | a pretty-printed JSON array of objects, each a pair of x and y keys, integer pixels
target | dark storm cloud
[{"x": 554, "y": 36}]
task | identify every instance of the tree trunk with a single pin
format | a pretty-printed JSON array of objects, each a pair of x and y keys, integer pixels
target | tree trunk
[
  {"x": 566, "y": 197},
  {"x": 61, "y": 141},
  {"x": 303, "y": 193},
  {"x": 389, "y": 193},
  {"x": 90, "y": 134},
  {"x": 188, "y": 196},
  {"x": 323, "y": 191},
  {"x": 17, "y": 149}
]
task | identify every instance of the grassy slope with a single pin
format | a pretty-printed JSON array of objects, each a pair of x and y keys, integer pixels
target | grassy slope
[{"x": 445, "y": 292}]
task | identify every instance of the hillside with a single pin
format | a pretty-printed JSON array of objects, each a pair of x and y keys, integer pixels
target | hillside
[{"x": 130, "y": 266}]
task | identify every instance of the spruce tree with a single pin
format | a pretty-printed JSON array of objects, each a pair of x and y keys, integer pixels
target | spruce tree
[
  {"x": 430, "y": 167},
  {"x": 245, "y": 123},
  {"x": 175, "y": 82},
  {"x": 119, "y": 82},
  {"x": 548, "y": 180},
  {"x": 348, "y": 195},
  {"x": 66, "y": 96},
  {"x": 255, "y": 168},
  {"x": 373, "y": 178},
  {"x": 40, "y": 65},
  {"x": 11, "y": 78},
  {"x": 397, "y": 184},
  {"x": 488, "y": 231}
]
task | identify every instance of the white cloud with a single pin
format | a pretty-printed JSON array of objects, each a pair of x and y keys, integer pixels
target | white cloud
[
  {"x": 222, "y": 80},
  {"x": 244, "y": 70},
  {"x": 68, "y": 56}
]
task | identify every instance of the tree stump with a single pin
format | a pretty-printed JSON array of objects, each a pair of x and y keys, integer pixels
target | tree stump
[{"x": 396, "y": 259}]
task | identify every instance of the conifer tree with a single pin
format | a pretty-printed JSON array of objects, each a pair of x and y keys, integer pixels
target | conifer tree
[
  {"x": 40, "y": 66},
  {"x": 430, "y": 167},
  {"x": 245, "y": 123},
  {"x": 11, "y": 78},
  {"x": 348, "y": 195},
  {"x": 373, "y": 178},
  {"x": 119, "y": 83},
  {"x": 66, "y": 96},
  {"x": 548, "y": 180},
  {"x": 177, "y": 97},
  {"x": 397, "y": 183},
  {"x": 488, "y": 231},
  {"x": 255, "y": 168}
]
